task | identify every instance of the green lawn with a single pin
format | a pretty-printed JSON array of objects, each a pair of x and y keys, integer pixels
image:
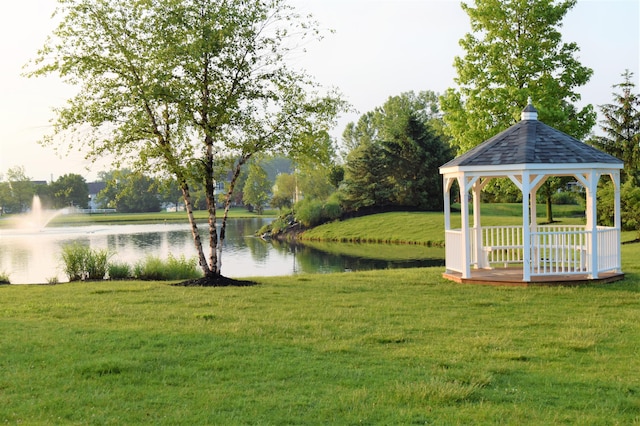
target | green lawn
[
  {"x": 118, "y": 218},
  {"x": 401, "y": 346},
  {"x": 384, "y": 347}
]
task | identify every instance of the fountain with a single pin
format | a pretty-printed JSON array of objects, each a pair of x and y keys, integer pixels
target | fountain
[{"x": 38, "y": 218}]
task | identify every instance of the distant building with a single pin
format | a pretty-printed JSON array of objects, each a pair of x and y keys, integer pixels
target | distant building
[{"x": 94, "y": 188}]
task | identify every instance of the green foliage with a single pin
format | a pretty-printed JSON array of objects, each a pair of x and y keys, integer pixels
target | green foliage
[
  {"x": 4, "y": 278},
  {"x": 16, "y": 193},
  {"x": 73, "y": 256},
  {"x": 629, "y": 205},
  {"x": 515, "y": 51},
  {"x": 130, "y": 192},
  {"x": 336, "y": 175},
  {"x": 173, "y": 268},
  {"x": 622, "y": 128},
  {"x": 566, "y": 197},
  {"x": 119, "y": 271},
  {"x": 69, "y": 190},
  {"x": 331, "y": 209},
  {"x": 309, "y": 212},
  {"x": 277, "y": 226},
  {"x": 313, "y": 212},
  {"x": 83, "y": 263},
  {"x": 281, "y": 200},
  {"x": 256, "y": 188},
  {"x": 395, "y": 156}
]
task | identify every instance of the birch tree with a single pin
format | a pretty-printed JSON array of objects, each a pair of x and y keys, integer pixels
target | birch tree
[{"x": 173, "y": 86}]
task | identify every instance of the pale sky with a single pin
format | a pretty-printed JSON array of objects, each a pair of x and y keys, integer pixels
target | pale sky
[{"x": 380, "y": 48}]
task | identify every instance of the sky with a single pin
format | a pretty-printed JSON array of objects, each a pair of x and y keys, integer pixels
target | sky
[{"x": 379, "y": 48}]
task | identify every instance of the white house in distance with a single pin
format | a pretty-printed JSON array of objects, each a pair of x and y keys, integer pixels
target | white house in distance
[{"x": 528, "y": 153}]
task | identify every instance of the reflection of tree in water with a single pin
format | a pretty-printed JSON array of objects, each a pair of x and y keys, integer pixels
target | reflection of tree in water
[
  {"x": 312, "y": 260},
  {"x": 150, "y": 239},
  {"x": 258, "y": 248},
  {"x": 177, "y": 238}
]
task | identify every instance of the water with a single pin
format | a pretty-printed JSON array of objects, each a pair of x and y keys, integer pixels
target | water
[{"x": 33, "y": 256}]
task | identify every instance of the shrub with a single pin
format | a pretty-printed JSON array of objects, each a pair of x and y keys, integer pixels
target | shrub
[
  {"x": 96, "y": 264},
  {"x": 331, "y": 210},
  {"x": 154, "y": 268},
  {"x": 565, "y": 197},
  {"x": 629, "y": 206},
  {"x": 119, "y": 271},
  {"x": 82, "y": 263},
  {"x": 309, "y": 212},
  {"x": 4, "y": 278},
  {"x": 314, "y": 212}
]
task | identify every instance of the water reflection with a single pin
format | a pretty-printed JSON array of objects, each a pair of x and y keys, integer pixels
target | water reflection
[{"x": 33, "y": 257}]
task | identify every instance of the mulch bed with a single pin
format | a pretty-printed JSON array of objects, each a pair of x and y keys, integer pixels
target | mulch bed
[{"x": 217, "y": 281}]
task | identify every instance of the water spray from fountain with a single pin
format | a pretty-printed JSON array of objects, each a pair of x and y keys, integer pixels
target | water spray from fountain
[{"x": 38, "y": 218}]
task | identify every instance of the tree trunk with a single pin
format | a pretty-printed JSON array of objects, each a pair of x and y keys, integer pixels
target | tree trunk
[
  {"x": 549, "y": 208},
  {"x": 202, "y": 260},
  {"x": 227, "y": 204}
]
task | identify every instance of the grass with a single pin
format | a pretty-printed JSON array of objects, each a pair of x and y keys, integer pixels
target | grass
[
  {"x": 425, "y": 228},
  {"x": 120, "y": 218},
  {"x": 383, "y": 347}
]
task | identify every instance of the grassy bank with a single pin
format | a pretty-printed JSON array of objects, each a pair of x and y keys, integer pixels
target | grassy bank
[
  {"x": 121, "y": 218},
  {"x": 385, "y": 347},
  {"x": 425, "y": 227}
]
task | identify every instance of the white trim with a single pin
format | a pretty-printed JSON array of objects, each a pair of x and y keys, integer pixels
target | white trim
[{"x": 556, "y": 169}]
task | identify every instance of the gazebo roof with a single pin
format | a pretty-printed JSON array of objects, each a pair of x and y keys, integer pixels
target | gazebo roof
[{"x": 532, "y": 142}]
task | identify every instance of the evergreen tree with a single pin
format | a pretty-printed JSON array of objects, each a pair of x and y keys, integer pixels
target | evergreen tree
[
  {"x": 396, "y": 156},
  {"x": 622, "y": 128}
]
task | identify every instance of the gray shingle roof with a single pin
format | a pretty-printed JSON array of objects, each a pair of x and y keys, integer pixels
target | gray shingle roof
[{"x": 531, "y": 142}]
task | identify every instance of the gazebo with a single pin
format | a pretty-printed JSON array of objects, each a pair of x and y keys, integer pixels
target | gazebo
[{"x": 528, "y": 153}]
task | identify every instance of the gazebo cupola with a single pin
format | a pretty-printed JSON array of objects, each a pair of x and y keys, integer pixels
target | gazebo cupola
[{"x": 528, "y": 153}]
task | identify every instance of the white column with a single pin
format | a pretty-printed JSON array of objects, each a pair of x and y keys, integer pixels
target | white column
[
  {"x": 464, "y": 207},
  {"x": 477, "y": 187},
  {"x": 592, "y": 223},
  {"x": 615, "y": 177},
  {"x": 526, "y": 230},
  {"x": 447, "y": 202}
]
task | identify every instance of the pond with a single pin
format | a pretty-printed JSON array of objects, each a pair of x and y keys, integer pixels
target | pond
[{"x": 34, "y": 256}]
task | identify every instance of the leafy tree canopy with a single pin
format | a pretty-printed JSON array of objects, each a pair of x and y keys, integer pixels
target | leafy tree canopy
[
  {"x": 69, "y": 190},
  {"x": 515, "y": 51}
]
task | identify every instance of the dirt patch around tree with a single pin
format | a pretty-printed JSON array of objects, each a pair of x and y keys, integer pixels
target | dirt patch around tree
[{"x": 217, "y": 281}]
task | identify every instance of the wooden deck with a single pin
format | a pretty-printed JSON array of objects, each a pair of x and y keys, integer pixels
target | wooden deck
[{"x": 513, "y": 277}]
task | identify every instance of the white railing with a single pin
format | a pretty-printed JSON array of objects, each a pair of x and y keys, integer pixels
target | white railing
[
  {"x": 554, "y": 249},
  {"x": 608, "y": 249},
  {"x": 502, "y": 244},
  {"x": 559, "y": 250},
  {"x": 454, "y": 246}
]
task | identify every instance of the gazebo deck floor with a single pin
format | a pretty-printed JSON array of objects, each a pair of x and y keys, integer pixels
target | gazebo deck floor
[{"x": 513, "y": 277}]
